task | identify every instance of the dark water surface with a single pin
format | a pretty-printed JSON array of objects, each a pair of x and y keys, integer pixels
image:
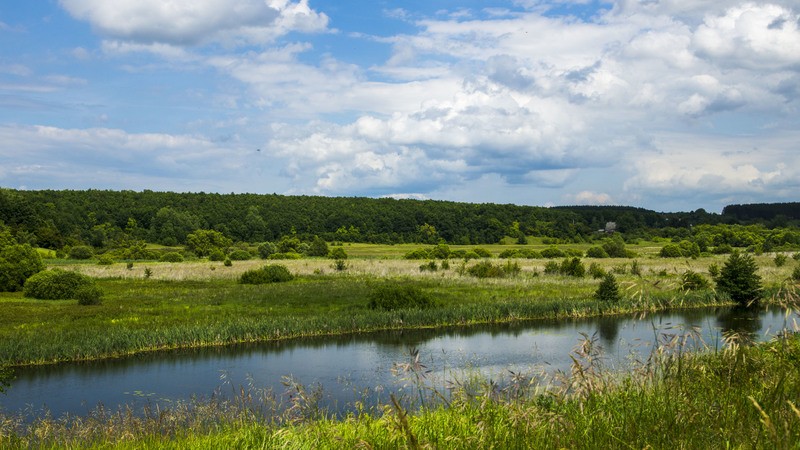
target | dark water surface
[{"x": 347, "y": 367}]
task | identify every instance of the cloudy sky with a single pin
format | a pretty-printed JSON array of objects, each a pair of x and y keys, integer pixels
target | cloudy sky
[{"x": 671, "y": 105}]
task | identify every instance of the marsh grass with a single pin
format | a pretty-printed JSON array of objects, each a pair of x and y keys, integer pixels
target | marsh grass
[
  {"x": 199, "y": 303},
  {"x": 741, "y": 396}
]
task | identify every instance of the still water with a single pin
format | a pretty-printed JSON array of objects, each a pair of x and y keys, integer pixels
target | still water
[{"x": 360, "y": 366}]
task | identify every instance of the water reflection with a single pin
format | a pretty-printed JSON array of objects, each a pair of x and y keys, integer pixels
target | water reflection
[{"x": 345, "y": 365}]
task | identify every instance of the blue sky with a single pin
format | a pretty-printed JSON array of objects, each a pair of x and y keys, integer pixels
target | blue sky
[{"x": 671, "y": 105}]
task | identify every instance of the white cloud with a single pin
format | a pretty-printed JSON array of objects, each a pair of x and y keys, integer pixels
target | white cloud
[
  {"x": 196, "y": 22},
  {"x": 590, "y": 198},
  {"x": 751, "y": 35}
]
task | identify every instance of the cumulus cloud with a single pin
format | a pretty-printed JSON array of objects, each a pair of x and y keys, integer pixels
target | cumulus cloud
[{"x": 196, "y": 22}]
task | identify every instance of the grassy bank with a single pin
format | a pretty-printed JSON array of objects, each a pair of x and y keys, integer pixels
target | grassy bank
[
  {"x": 740, "y": 397},
  {"x": 201, "y": 304}
]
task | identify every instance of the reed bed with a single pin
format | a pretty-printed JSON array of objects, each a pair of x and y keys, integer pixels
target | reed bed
[
  {"x": 190, "y": 305},
  {"x": 737, "y": 397}
]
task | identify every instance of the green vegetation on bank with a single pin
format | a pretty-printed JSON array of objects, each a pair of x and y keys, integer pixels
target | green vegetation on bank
[{"x": 739, "y": 397}]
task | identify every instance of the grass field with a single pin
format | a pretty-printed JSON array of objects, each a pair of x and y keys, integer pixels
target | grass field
[
  {"x": 154, "y": 305},
  {"x": 742, "y": 397}
]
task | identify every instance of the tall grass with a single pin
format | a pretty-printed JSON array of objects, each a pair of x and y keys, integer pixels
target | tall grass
[{"x": 738, "y": 397}]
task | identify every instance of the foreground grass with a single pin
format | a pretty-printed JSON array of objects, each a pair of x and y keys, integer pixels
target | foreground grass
[
  {"x": 741, "y": 397},
  {"x": 200, "y": 304}
]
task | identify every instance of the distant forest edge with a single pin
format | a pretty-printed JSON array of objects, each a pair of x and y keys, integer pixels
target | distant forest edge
[{"x": 56, "y": 218}]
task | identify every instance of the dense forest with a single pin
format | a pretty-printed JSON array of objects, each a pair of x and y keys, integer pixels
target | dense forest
[{"x": 57, "y": 218}]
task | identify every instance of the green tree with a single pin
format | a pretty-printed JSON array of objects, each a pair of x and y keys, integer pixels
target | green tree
[
  {"x": 608, "y": 291},
  {"x": 203, "y": 242},
  {"x": 17, "y": 264},
  {"x": 318, "y": 247},
  {"x": 738, "y": 279}
]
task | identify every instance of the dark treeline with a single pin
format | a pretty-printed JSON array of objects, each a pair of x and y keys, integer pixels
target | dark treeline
[
  {"x": 55, "y": 218},
  {"x": 759, "y": 212}
]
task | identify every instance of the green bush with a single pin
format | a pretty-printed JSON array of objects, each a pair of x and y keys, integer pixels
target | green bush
[
  {"x": 796, "y": 273},
  {"x": 739, "y": 280},
  {"x": 470, "y": 255},
  {"x": 596, "y": 252},
  {"x": 615, "y": 247},
  {"x": 266, "y": 249},
  {"x": 509, "y": 253},
  {"x": 596, "y": 271},
  {"x": 608, "y": 290},
  {"x": 338, "y": 253},
  {"x": 693, "y": 281},
  {"x": 81, "y": 252},
  {"x": 339, "y": 265},
  {"x": 553, "y": 252},
  {"x": 670, "y": 251},
  {"x": 482, "y": 252},
  {"x": 227, "y": 262},
  {"x": 173, "y": 257},
  {"x": 318, "y": 247},
  {"x": 551, "y": 268},
  {"x": 572, "y": 267},
  {"x": 780, "y": 260},
  {"x": 273, "y": 273},
  {"x": 89, "y": 295},
  {"x": 441, "y": 251},
  {"x": 55, "y": 284},
  {"x": 530, "y": 254},
  {"x": 419, "y": 253},
  {"x": 17, "y": 264},
  {"x": 430, "y": 266},
  {"x": 239, "y": 255},
  {"x": 216, "y": 255},
  {"x": 394, "y": 296},
  {"x": 105, "y": 260}
]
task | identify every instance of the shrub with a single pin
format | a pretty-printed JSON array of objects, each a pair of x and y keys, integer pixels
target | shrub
[
  {"x": 713, "y": 270},
  {"x": 89, "y": 295},
  {"x": 530, "y": 254},
  {"x": 273, "y": 273},
  {"x": 509, "y": 253},
  {"x": 780, "y": 260},
  {"x": 55, "y": 284},
  {"x": 203, "y": 242},
  {"x": 266, "y": 249},
  {"x": 81, "y": 252},
  {"x": 573, "y": 252},
  {"x": 512, "y": 268},
  {"x": 471, "y": 255},
  {"x": 393, "y": 296},
  {"x": 722, "y": 249},
  {"x": 338, "y": 253},
  {"x": 596, "y": 271},
  {"x": 173, "y": 257},
  {"x": 430, "y": 266},
  {"x": 485, "y": 269},
  {"x": 553, "y": 252},
  {"x": 738, "y": 279},
  {"x": 636, "y": 268},
  {"x": 572, "y": 267},
  {"x": 693, "y": 281},
  {"x": 615, "y": 247},
  {"x": 318, "y": 247},
  {"x": 551, "y": 268},
  {"x": 796, "y": 273},
  {"x": 482, "y": 252},
  {"x": 441, "y": 251},
  {"x": 796, "y": 256},
  {"x": 105, "y": 260},
  {"x": 339, "y": 265},
  {"x": 227, "y": 262},
  {"x": 239, "y": 255},
  {"x": 596, "y": 252},
  {"x": 608, "y": 291},
  {"x": 670, "y": 251},
  {"x": 216, "y": 255},
  {"x": 419, "y": 253},
  {"x": 17, "y": 263},
  {"x": 445, "y": 264}
]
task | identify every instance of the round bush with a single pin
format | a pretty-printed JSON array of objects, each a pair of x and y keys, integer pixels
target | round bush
[
  {"x": 55, "y": 284},
  {"x": 289, "y": 255},
  {"x": 216, "y": 255},
  {"x": 393, "y": 296},
  {"x": 338, "y": 253},
  {"x": 553, "y": 252},
  {"x": 274, "y": 273},
  {"x": 89, "y": 295},
  {"x": 596, "y": 252},
  {"x": 81, "y": 252},
  {"x": 173, "y": 257},
  {"x": 239, "y": 255},
  {"x": 17, "y": 263},
  {"x": 105, "y": 260}
]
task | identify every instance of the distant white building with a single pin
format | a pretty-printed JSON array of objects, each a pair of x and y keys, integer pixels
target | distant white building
[{"x": 611, "y": 227}]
